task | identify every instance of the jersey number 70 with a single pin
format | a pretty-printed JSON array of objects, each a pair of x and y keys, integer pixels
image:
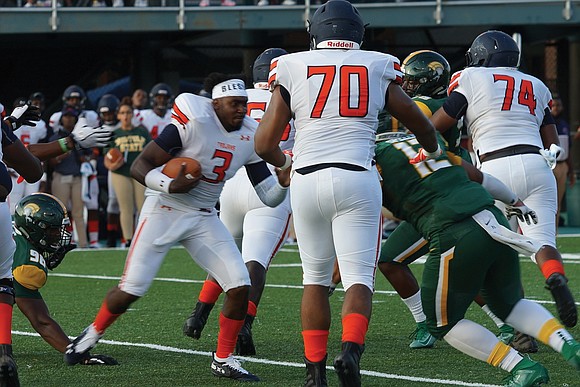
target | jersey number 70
[{"x": 353, "y": 88}]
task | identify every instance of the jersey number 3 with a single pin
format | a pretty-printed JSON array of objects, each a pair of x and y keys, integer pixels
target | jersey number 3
[{"x": 353, "y": 88}]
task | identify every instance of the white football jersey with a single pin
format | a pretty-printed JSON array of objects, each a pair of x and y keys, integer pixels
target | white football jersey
[
  {"x": 31, "y": 134},
  {"x": 152, "y": 122},
  {"x": 505, "y": 106},
  {"x": 336, "y": 96},
  {"x": 91, "y": 116},
  {"x": 219, "y": 152}
]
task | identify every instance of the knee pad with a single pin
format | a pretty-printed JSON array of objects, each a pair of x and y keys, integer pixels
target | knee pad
[{"x": 7, "y": 287}]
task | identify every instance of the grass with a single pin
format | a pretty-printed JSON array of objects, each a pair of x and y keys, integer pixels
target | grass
[{"x": 152, "y": 351}]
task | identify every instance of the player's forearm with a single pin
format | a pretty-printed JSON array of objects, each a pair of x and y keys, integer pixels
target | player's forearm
[{"x": 45, "y": 151}]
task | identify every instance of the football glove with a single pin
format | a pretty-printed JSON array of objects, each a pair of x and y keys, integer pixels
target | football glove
[
  {"x": 522, "y": 212},
  {"x": 24, "y": 115},
  {"x": 524, "y": 343},
  {"x": 98, "y": 360},
  {"x": 85, "y": 136},
  {"x": 551, "y": 155},
  {"x": 423, "y": 155},
  {"x": 56, "y": 258}
]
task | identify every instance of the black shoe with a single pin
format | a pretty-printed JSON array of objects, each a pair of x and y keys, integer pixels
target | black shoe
[
  {"x": 557, "y": 284},
  {"x": 315, "y": 373},
  {"x": 245, "y": 344},
  {"x": 231, "y": 368},
  {"x": 197, "y": 320},
  {"x": 8, "y": 369},
  {"x": 346, "y": 364}
]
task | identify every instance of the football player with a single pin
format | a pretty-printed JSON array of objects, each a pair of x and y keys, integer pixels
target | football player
[
  {"x": 335, "y": 93},
  {"x": 42, "y": 241},
  {"x": 76, "y": 97},
  {"x": 259, "y": 230},
  {"x": 218, "y": 133},
  {"x": 159, "y": 116},
  {"x": 26, "y": 162},
  {"x": 515, "y": 139},
  {"x": 470, "y": 251}
]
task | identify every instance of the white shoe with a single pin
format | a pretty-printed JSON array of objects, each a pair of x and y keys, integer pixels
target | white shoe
[
  {"x": 76, "y": 351},
  {"x": 289, "y": 2},
  {"x": 262, "y": 3},
  {"x": 118, "y": 3}
]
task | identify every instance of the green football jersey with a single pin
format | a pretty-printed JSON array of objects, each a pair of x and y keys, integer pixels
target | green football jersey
[
  {"x": 29, "y": 269},
  {"x": 428, "y": 106},
  {"x": 430, "y": 195}
]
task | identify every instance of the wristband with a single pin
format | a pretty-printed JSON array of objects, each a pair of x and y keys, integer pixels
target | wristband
[
  {"x": 435, "y": 154},
  {"x": 158, "y": 181},
  {"x": 63, "y": 145},
  {"x": 287, "y": 163}
]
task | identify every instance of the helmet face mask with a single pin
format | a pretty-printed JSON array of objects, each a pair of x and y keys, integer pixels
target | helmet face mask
[
  {"x": 338, "y": 21},
  {"x": 161, "y": 97},
  {"x": 43, "y": 220},
  {"x": 74, "y": 96},
  {"x": 107, "y": 109},
  {"x": 261, "y": 67},
  {"x": 426, "y": 73},
  {"x": 493, "y": 49}
]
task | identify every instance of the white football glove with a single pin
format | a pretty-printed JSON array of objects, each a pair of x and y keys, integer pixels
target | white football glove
[
  {"x": 24, "y": 115},
  {"x": 522, "y": 212},
  {"x": 85, "y": 136},
  {"x": 551, "y": 155}
]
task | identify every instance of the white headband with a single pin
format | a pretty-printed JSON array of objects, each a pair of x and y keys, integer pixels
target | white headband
[{"x": 229, "y": 88}]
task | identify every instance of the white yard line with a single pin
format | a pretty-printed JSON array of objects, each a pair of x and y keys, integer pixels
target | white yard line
[{"x": 166, "y": 348}]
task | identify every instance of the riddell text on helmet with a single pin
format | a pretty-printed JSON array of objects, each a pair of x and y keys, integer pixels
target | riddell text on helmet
[{"x": 340, "y": 44}]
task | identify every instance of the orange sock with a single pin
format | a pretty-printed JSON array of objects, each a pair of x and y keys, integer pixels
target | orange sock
[
  {"x": 315, "y": 344},
  {"x": 5, "y": 323},
  {"x": 104, "y": 318},
  {"x": 252, "y": 309},
  {"x": 354, "y": 328},
  {"x": 552, "y": 266},
  {"x": 210, "y": 292},
  {"x": 227, "y": 336}
]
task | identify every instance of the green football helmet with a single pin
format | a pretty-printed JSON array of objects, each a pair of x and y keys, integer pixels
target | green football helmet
[
  {"x": 43, "y": 220},
  {"x": 426, "y": 73}
]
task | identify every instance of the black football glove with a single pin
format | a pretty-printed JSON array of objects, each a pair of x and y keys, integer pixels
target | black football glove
[
  {"x": 98, "y": 360},
  {"x": 24, "y": 115},
  {"x": 56, "y": 258}
]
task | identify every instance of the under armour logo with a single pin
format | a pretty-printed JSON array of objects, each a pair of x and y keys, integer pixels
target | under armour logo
[{"x": 244, "y": 138}]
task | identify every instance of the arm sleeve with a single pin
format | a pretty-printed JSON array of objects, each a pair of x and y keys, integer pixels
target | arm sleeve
[
  {"x": 548, "y": 118},
  {"x": 270, "y": 192},
  {"x": 8, "y": 137},
  {"x": 169, "y": 140},
  {"x": 456, "y": 105}
]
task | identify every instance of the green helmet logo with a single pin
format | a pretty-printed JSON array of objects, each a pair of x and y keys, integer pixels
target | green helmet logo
[{"x": 426, "y": 73}]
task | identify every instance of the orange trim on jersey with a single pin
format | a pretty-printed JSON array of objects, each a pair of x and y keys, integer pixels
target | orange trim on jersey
[
  {"x": 397, "y": 66},
  {"x": 378, "y": 248},
  {"x": 179, "y": 116},
  {"x": 399, "y": 80},
  {"x": 454, "y": 82},
  {"x": 133, "y": 244},
  {"x": 273, "y": 64}
]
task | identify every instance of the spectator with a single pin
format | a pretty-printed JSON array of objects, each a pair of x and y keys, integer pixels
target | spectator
[
  {"x": 130, "y": 141},
  {"x": 139, "y": 99},
  {"x": 66, "y": 175},
  {"x": 564, "y": 169}
]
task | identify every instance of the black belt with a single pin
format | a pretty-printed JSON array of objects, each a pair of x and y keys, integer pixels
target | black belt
[
  {"x": 318, "y": 167},
  {"x": 509, "y": 151}
]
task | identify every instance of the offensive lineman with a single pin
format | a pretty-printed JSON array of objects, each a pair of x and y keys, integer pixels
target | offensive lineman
[
  {"x": 335, "y": 92},
  {"x": 219, "y": 135},
  {"x": 259, "y": 230},
  {"x": 508, "y": 117}
]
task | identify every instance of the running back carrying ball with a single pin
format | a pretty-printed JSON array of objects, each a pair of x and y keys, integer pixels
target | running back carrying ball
[
  {"x": 114, "y": 154},
  {"x": 173, "y": 166}
]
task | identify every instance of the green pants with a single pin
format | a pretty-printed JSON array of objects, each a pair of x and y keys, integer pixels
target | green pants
[{"x": 405, "y": 245}]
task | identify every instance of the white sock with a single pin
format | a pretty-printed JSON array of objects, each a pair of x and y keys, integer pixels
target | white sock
[
  {"x": 415, "y": 307},
  {"x": 495, "y": 319},
  {"x": 510, "y": 360},
  {"x": 472, "y": 339}
]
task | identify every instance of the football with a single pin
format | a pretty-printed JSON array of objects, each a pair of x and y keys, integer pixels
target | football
[
  {"x": 173, "y": 166},
  {"x": 114, "y": 154}
]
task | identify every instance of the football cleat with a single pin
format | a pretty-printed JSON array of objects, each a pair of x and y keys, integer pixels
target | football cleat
[
  {"x": 78, "y": 349},
  {"x": 527, "y": 373},
  {"x": 506, "y": 334},
  {"x": 346, "y": 364},
  {"x": 557, "y": 284},
  {"x": 315, "y": 373},
  {"x": 232, "y": 369},
  {"x": 524, "y": 343},
  {"x": 197, "y": 320},
  {"x": 421, "y": 337},
  {"x": 8, "y": 369},
  {"x": 571, "y": 352},
  {"x": 245, "y": 344}
]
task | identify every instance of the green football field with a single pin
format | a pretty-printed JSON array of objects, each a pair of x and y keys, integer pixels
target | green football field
[{"x": 152, "y": 351}]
